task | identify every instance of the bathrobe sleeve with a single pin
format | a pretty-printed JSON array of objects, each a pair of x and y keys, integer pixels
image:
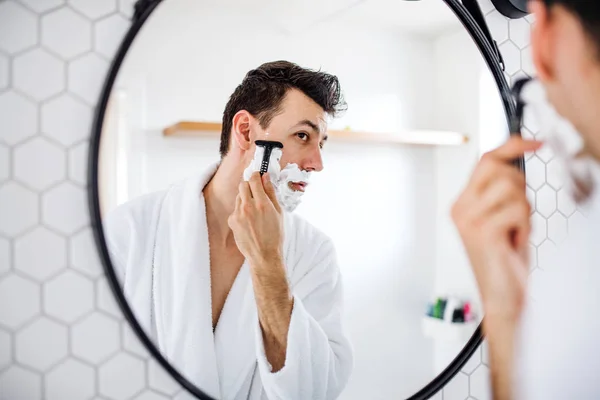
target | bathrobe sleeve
[{"x": 319, "y": 357}]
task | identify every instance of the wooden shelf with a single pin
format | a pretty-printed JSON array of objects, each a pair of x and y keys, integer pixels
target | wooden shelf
[{"x": 426, "y": 138}]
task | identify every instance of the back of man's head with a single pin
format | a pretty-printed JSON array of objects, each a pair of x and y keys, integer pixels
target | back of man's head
[{"x": 263, "y": 89}]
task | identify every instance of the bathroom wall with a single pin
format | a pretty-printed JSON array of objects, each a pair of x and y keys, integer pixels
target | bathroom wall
[{"x": 61, "y": 336}]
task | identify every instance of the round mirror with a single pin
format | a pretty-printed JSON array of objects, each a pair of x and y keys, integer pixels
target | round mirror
[{"x": 272, "y": 184}]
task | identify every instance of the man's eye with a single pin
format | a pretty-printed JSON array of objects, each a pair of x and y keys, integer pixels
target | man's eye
[{"x": 302, "y": 136}]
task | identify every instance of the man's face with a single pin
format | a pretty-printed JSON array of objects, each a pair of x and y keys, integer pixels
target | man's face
[{"x": 301, "y": 127}]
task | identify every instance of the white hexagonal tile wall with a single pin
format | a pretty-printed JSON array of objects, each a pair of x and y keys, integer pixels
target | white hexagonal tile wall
[
  {"x": 78, "y": 158},
  {"x": 18, "y": 27},
  {"x": 148, "y": 395},
  {"x": 17, "y": 383},
  {"x": 5, "y": 349},
  {"x": 530, "y": 121},
  {"x": 457, "y": 388},
  {"x": 566, "y": 205},
  {"x": 66, "y": 33},
  {"x": 160, "y": 381},
  {"x": 108, "y": 34},
  {"x": 95, "y": 338},
  {"x": 547, "y": 255},
  {"x": 538, "y": 231},
  {"x": 535, "y": 171},
  {"x": 545, "y": 153},
  {"x": 5, "y": 256},
  {"x": 527, "y": 62},
  {"x": 4, "y": 163},
  {"x": 94, "y": 9},
  {"x": 4, "y": 71},
  {"x": 480, "y": 383},
  {"x": 69, "y": 296},
  {"x": 40, "y": 254},
  {"x": 70, "y": 380},
  {"x": 185, "y": 395},
  {"x": 105, "y": 299},
  {"x": 18, "y": 118},
  {"x": 533, "y": 258},
  {"x": 555, "y": 174},
  {"x": 472, "y": 363},
  {"x": 526, "y": 134},
  {"x": 39, "y": 164},
  {"x": 39, "y": 74},
  {"x": 66, "y": 119},
  {"x": 126, "y": 7},
  {"x": 18, "y": 209},
  {"x": 498, "y": 26},
  {"x": 42, "y": 344},
  {"x": 557, "y": 228},
  {"x": 86, "y": 76},
  {"x": 65, "y": 208},
  {"x": 110, "y": 377},
  {"x": 19, "y": 301},
  {"x": 546, "y": 201},
  {"x": 531, "y": 198},
  {"x": 43, "y": 6},
  {"x": 519, "y": 32},
  {"x": 512, "y": 57},
  {"x": 84, "y": 255},
  {"x": 577, "y": 222},
  {"x": 131, "y": 343}
]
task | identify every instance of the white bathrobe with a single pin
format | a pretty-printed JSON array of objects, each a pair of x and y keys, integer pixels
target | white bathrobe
[{"x": 160, "y": 251}]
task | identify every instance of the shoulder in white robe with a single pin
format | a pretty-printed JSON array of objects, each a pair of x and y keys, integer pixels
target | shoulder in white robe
[{"x": 159, "y": 249}]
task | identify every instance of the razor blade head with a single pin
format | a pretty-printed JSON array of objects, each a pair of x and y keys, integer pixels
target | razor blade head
[{"x": 269, "y": 144}]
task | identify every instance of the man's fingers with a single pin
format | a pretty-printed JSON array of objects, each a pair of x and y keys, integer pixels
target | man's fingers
[
  {"x": 256, "y": 186},
  {"x": 488, "y": 172},
  {"x": 513, "y": 148},
  {"x": 270, "y": 191},
  {"x": 244, "y": 192},
  {"x": 500, "y": 193}
]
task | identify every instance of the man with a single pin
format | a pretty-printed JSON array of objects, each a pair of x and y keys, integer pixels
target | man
[
  {"x": 547, "y": 347},
  {"x": 244, "y": 299}
]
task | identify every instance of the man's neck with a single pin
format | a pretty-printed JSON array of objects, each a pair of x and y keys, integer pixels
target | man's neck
[{"x": 220, "y": 195}]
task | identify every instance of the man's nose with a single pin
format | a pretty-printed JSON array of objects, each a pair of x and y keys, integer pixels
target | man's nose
[{"x": 314, "y": 162}]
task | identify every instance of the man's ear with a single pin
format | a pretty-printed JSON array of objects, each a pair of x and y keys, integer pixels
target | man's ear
[
  {"x": 540, "y": 40},
  {"x": 241, "y": 129}
]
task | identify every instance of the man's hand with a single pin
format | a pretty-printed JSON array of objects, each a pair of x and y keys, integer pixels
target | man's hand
[
  {"x": 493, "y": 218},
  {"x": 257, "y": 221}
]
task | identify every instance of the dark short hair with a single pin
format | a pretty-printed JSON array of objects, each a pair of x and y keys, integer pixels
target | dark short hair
[
  {"x": 587, "y": 11},
  {"x": 263, "y": 89}
]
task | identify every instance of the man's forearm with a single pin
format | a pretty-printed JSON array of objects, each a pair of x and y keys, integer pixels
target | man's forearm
[
  {"x": 274, "y": 302},
  {"x": 500, "y": 334}
]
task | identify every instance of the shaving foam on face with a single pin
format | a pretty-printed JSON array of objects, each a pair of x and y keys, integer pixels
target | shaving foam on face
[{"x": 288, "y": 198}]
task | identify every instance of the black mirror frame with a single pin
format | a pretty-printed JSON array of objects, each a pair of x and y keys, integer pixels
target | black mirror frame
[{"x": 469, "y": 15}]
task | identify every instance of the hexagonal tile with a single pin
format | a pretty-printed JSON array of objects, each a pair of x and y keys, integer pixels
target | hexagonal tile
[
  {"x": 5, "y": 256},
  {"x": 148, "y": 395},
  {"x": 111, "y": 382},
  {"x": 17, "y": 383},
  {"x": 40, "y": 254},
  {"x": 131, "y": 343},
  {"x": 512, "y": 57},
  {"x": 86, "y": 77},
  {"x": 160, "y": 381},
  {"x": 566, "y": 204},
  {"x": 4, "y": 163},
  {"x": 531, "y": 198},
  {"x": 39, "y": 164},
  {"x": 70, "y": 380},
  {"x": 530, "y": 18},
  {"x": 555, "y": 174},
  {"x": 95, "y": 338},
  {"x": 533, "y": 257},
  {"x": 538, "y": 231},
  {"x": 126, "y": 7},
  {"x": 42, "y": 344},
  {"x": 65, "y": 208},
  {"x": 486, "y": 6},
  {"x": 109, "y": 33},
  {"x": 527, "y": 62},
  {"x": 519, "y": 32},
  {"x": 43, "y": 6},
  {"x": 69, "y": 296},
  {"x": 84, "y": 255},
  {"x": 457, "y": 388},
  {"x": 535, "y": 171},
  {"x": 18, "y": 209},
  {"x": 78, "y": 158},
  {"x": 546, "y": 201},
  {"x": 526, "y": 134},
  {"x": 5, "y": 349},
  {"x": 66, "y": 119},
  {"x": 39, "y": 74},
  {"x": 66, "y": 33},
  {"x": 485, "y": 353},
  {"x": 498, "y": 26},
  {"x": 547, "y": 255},
  {"x": 473, "y": 362},
  {"x": 105, "y": 299},
  {"x": 18, "y": 118},
  {"x": 577, "y": 222},
  {"x": 557, "y": 228},
  {"x": 4, "y": 72},
  {"x": 545, "y": 153},
  {"x": 19, "y": 301},
  {"x": 94, "y": 9},
  {"x": 480, "y": 383},
  {"x": 18, "y": 27}
]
